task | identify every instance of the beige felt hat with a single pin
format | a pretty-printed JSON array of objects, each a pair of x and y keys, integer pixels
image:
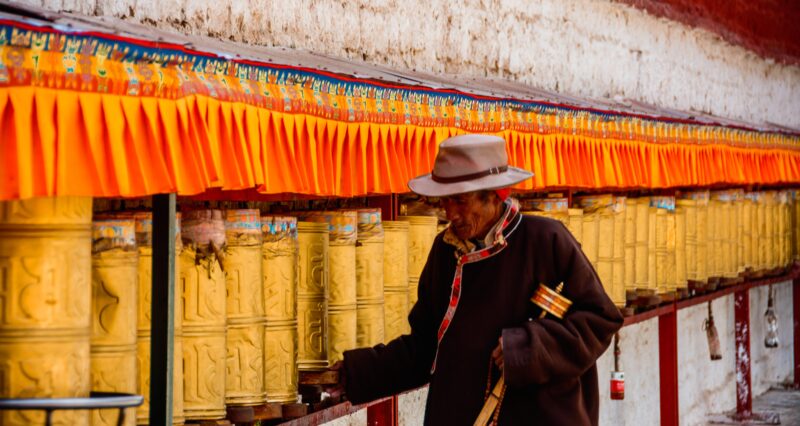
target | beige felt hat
[{"x": 468, "y": 163}]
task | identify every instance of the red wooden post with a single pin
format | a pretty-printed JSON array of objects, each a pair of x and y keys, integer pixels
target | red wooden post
[
  {"x": 668, "y": 366},
  {"x": 383, "y": 413},
  {"x": 796, "y": 308},
  {"x": 744, "y": 397}
]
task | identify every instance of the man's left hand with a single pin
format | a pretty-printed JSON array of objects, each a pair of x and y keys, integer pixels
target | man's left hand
[{"x": 497, "y": 354}]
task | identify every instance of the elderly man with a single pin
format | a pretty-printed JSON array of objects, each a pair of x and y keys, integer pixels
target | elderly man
[{"x": 475, "y": 320}]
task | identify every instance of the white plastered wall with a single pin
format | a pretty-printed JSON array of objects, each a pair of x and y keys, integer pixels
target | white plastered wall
[{"x": 588, "y": 48}]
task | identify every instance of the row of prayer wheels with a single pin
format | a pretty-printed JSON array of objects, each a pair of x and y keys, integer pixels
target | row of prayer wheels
[
  {"x": 663, "y": 244},
  {"x": 257, "y": 299}
]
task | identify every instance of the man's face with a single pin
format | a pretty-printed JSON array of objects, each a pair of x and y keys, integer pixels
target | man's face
[{"x": 469, "y": 215}]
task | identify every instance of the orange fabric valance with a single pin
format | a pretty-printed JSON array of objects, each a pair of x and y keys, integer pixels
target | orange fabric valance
[{"x": 89, "y": 114}]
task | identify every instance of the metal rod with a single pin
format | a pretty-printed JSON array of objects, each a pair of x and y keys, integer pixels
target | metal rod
[{"x": 163, "y": 306}]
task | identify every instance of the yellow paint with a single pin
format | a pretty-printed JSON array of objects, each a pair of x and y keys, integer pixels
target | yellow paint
[{"x": 312, "y": 296}]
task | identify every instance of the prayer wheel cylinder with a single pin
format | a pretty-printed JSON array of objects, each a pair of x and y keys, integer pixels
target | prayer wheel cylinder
[
  {"x": 280, "y": 270},
  {"x": 747, "y": 218},
  {"x": 630, "y": 244},
  {"x": 689, "y": 210},
  {"x": 342, "y": 315},
  {"x": 652, "y": 255},
  {"x": 671, "y": 248},
  {"x": 771, "y": 224},
  {"x": 618, "y": 266},
  {"x": 680, "y": 246},
  {"x": 421, "y": 233},
  {"x": 244, "y": 378},
  {"x": 737, "y": 227},
  {"x": 662, "y": 261},
  {"x": 395, "y": 279},
  {"x": 761, "y": 230},
  {"x": 312, "y": 296},
  {"x": 642, "y": 246},
  {"x": 712, "y": 237},
  {"x": 115, "y": 264},
  {"x": 144, "y": 233},
  {"x": 599, "y": 219},
  {"x": 702, "y": 239},
  {"x": 204, "y": 314},
  {"x": 370, "y": 327},
  {"x": 785, "y": 229},
  {"x": 45, "y": 273},
  {"x": 575, "y": 223}
]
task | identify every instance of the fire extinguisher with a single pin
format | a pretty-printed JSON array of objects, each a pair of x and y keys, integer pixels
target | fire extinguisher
[{"x": 617, "y": 376}]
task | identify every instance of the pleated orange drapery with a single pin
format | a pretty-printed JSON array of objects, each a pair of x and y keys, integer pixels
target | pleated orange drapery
[{"x": 65, "y": 142}]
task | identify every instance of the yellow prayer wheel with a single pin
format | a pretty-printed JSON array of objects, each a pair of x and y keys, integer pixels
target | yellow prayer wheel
[
  {"x": 244, "y": 379},
  {"x": 702, "y": 239},
  {"x": 115, "y": 264},
  {"x": 144, "y": 232},
  {"x": 421, "y": 233},
  {"x": 661, "y": 255},
  {"x": 629, "y": 251},
  {"x": 280, "y": 270},
  {"x": 680, "y": 246},
  {"x": 618, "y": 266},
  {"x": 642, "y": 247},
  {"x": 747, "y": 219},
  {"x": 342, "y": 316},
  {"x": 370, "y": 327},
  {"x": 652, "y": 255},
  {"x": 395, "y": 279},
  {"x": 312, "y": 296},
  {"x": 737, "y": 229},
  {"x": 671, "y": 281},
  {"x": 599, "y": 218},
  {"x": 575, "y": 223},
  {"x": 761, "y": 230},
  {"x": 795, "y": 225},
  {"x": 204, "y": 314},
  {"x": 46, "y": 246},
  {"x": 786, "y": 232}
]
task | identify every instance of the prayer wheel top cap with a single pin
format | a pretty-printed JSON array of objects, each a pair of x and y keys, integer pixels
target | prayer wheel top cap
[
  {"x": 728, "y": 195},
  {"x": 395, "y": 225},
  {"x": 594, "y": 202},
  {"x": 47, "y": 211},
  {"x": 342, "y": 224},
  {"x": 701, "y": 196},
  {"x": 112, "y": 233},
  {"x": 203, "y": 227},
  {"x": 276, "y": 228},
  {"x": 242, "y": 227},
  {"x": 369, "y": 224},
  {"x": 665, "y": 202},
  {"x": 420, "y": 220},
  {"x": 546, "y": 204}
]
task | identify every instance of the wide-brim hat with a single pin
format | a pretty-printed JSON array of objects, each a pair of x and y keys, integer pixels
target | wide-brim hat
[{"x": 469, "y": 163}]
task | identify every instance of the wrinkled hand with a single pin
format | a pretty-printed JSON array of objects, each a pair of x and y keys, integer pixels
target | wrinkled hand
[
  {"x": 497, "y": 354},
  {"x": 337, "y": 390}
]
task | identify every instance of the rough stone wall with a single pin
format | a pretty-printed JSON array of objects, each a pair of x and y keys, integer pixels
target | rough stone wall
[{"x": 589, "y": 48}]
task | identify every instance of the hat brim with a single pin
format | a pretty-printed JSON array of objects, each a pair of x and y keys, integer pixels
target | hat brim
[{"x": 425, "y": 185}]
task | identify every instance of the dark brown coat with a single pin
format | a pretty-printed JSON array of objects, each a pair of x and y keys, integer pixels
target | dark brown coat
[{"x": 549, "y": 363}]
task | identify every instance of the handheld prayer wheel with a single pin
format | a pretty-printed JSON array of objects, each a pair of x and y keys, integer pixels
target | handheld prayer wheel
[
  {"x": 115, "y": 264},
  {"x": 204, "y": 313},
  {"x": 312, "y": 296},
  {"x": 421, "y": 233},
  {"x": 279, "y": 267},
  {"x": 395, "y": 279},
  {"x": 45, "y": 314},
  {"x": 144, "y": 239},
  {"x": 342, "y": 316},
  {"x": 370, "y": 327},
  {"x": 244, "y": 379}
]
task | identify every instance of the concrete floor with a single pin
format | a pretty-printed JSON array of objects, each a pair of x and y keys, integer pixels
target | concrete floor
[{"x": 784, "y": 402}]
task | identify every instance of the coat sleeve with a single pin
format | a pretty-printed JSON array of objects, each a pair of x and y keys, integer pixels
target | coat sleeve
[
  {"x": 548, "y": 349},
  {"x": 405, "y": 362}
]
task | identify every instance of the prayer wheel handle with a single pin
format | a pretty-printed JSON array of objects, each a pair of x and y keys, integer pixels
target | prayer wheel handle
[{"x": 96, "y": 400}]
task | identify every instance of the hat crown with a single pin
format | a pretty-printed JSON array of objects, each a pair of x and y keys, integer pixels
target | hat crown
[{"x": 469, "y": 154}]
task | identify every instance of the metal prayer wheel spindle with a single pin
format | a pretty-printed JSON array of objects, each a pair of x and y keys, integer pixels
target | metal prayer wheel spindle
[
  {"x": 279, "y": 254},
  {"x": 244, "y": 379},
  {"x": 395, "y": 279},
  {"x": 204, "y": 314},
  {"x": 342, "y": 305},
  {"x": 370, "y": 327},
  {"x": 312, "y": 296},
  {"x": 421, "y": 233},
  {"x": 45, "y": 315},
  {"x": 115, "y": 264},
  {"x": 144, "y": 239}
]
